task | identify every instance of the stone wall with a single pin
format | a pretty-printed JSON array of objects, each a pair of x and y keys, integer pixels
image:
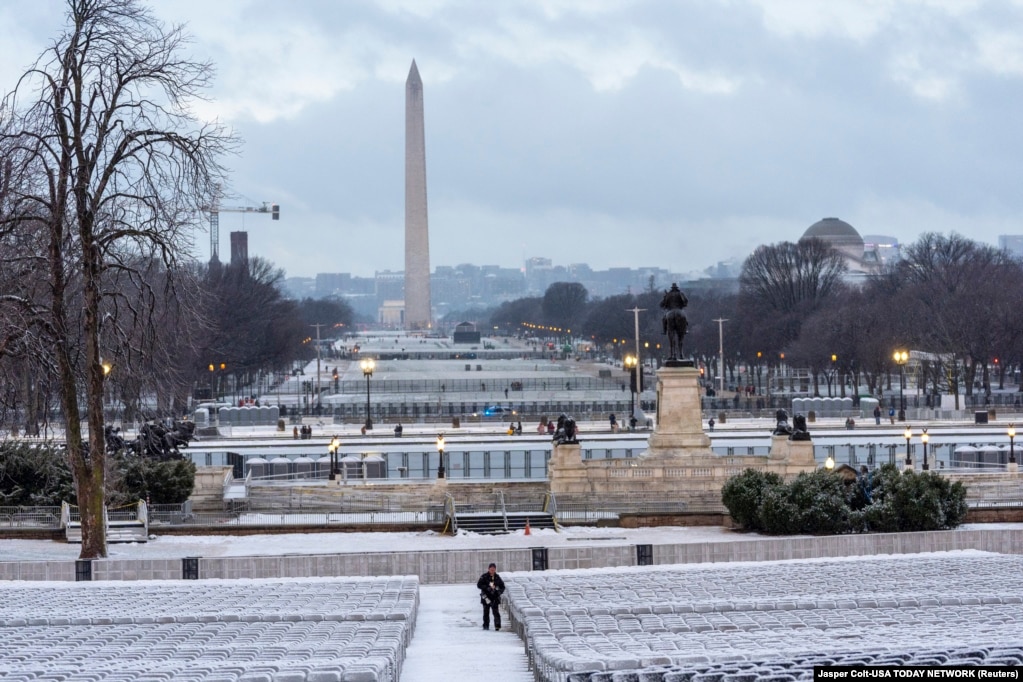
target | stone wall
[
  {"x": 461, "y": 566},
  {"x": 208, "y": 494}
]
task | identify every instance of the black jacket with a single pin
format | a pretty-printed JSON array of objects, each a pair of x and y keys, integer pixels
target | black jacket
[{"x": 490, "y": 588}]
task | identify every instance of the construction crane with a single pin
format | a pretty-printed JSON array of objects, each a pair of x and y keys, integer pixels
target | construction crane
[{"x": 273, "y": 209}]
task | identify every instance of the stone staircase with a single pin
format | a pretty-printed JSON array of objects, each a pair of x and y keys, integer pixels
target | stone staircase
[
  {"x": 493, "y": 523},
  {"x": 129, "y": 524}
]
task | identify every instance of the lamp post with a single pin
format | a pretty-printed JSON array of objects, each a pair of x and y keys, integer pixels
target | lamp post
[
  {"x": 829, "y": 463},
  {"x": 440, "y": 455},
  {"x": 909, "y": 460},
  {"x": 924, "y": 437},
  {"x": 636, "y": 310},
  {"x": 1012, "y": 446},
  {"x": 367, "y": 366},
  {"x": 335, "y": 443},
  {"x": 901, "y": 357},
  {"x": 107, "y": 368},
  {"x": 721, "y": 351},
  {"x": 630, "y": 364},
  {"x": 213, "y": 367},
  {"x": 318, "y": 403}
]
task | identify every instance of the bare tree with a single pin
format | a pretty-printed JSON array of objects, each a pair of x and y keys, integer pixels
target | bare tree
[
  {"x": 964, "y": 296},
  {"x": 782, "y": 284},
  {"x": 109, "y": 168}
]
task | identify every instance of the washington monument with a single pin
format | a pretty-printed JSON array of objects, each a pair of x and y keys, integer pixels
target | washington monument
[{"x": 417, "y": 234}]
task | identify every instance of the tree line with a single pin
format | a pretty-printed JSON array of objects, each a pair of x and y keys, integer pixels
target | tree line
[
  {"x": 952, "y": 300},
  {"x": 105, "y": 175}
]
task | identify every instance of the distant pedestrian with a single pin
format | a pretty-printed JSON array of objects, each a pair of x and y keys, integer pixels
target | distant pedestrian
[
  {"x": 866, "y": 484},
  {"x": 506, "y": 393},
  {"x": 891, "y": 413},
  {"x": 877, "y": 415},
  {"x": 711, "y": 423},
  {"x": 614, "y": 423},
  {"x": 491, "y": 588},
  {"x": 541, "y": 427}
]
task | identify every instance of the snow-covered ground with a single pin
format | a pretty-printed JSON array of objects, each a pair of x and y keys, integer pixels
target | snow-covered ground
[{"x": 174, "y": 546}]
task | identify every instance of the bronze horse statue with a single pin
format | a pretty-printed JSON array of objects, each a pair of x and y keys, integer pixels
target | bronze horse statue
[{"x": 674, "y": 321}]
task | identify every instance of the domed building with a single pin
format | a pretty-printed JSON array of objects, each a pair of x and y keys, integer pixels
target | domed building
[{"x": 844, "y": 238}]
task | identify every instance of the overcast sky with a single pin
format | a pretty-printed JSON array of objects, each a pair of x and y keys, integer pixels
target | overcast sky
[{"x": 615, "y": 133}]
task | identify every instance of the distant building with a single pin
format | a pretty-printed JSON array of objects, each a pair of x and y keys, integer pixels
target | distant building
[
  {"x": 844, "y": 238},
  {"x": 886, "y": 249},
  {"x": 1013, "y": 243},
  {"x": 477, "y": 287},
  {"x": 298, "y": 288},
  {"x": 466, "y": 332},
  {"x": 725, "y": 269},
  {"x": 392, "y": 314},
  {"x": 332, "y": 284},
  {"x": 389, "y": 286}
]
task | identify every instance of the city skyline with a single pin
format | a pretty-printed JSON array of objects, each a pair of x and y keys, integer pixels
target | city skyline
[{"x": 608, "y": 133}]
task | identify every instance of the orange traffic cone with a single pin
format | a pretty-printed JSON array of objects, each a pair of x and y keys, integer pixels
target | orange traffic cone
[{"x": 527, "y": 528}]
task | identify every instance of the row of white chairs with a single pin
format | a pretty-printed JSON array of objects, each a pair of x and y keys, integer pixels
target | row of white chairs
[
  {"x": 146, "y": 602},
  {"x": 616, "y": 622},
  {"x": 213, "y": 631}
]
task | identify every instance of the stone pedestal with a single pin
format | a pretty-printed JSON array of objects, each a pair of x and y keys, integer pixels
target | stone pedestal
[
  {"x": 679, "y": 418},
  {"x": 566, "y": 471},
  {"x": 678, "y": 462},
  {"x": 779, "y": 448}
]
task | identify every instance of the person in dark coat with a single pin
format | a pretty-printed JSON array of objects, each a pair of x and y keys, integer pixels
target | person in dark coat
[{"x": 491, "y": 588}]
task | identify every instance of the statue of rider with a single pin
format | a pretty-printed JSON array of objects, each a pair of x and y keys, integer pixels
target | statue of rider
[
  {"x": 674, "y": 323},
  {"x": 674, "y": 299}
]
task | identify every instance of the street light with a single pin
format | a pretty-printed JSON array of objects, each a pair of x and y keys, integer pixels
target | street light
[
  {"x": 1012, "y": 446},
  {"x": 901, "y": 357},
  {"x": 924, "y": 437},
  {"x": 829, "y": 463},
  {"x": 630, "y": 364},
  {"x": 107, "y": 368},
  {"x": 213, "y": 367},
  {"x": 440, "y": 455},
  {"x": 335, "y": 443},
  {"x": 908, "y": 435},
  {"x": 368, "y": 365}
]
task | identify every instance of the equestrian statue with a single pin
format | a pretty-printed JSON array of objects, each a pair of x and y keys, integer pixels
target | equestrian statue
[{"x": 675, "y": 323}]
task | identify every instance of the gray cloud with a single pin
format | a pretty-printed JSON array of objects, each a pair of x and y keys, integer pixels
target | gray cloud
[{"x": 614, "y": 133}]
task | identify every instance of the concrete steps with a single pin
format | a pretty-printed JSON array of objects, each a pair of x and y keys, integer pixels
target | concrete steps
[{"x": 494, "y": 523}]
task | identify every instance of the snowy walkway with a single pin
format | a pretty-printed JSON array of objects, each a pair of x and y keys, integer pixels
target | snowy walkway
[{"x": 451, "y": 644}]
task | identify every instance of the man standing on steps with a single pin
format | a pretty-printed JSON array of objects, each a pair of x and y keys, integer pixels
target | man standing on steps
[{"x": 491, "y": 588}]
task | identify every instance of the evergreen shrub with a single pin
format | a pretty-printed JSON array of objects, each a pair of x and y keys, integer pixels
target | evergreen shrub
[{"x": 824, "y": 503}]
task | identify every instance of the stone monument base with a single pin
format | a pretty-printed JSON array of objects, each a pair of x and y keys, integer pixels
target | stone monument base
[{"x": 678, "y": 463}]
